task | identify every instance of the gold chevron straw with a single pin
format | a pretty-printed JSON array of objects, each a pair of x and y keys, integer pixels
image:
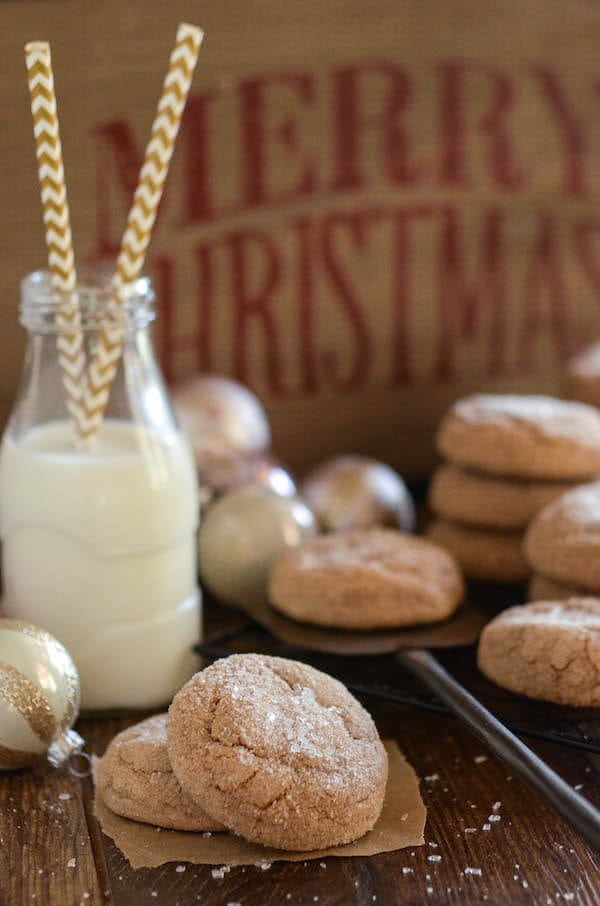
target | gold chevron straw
[
  {"x": 55, "y": 207},
  {"x": 142, "y": 215}
]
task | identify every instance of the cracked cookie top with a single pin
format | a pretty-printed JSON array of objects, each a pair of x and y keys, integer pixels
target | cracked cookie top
[
  {"x": 366, "y": 579},
  {"x": 136, "y": 780},
  {"x": 522, "y": 436},
  {"x": 278, "y": 751},
  {"x": 548, "y": 650},
  {"x": 563, "y": 541}
]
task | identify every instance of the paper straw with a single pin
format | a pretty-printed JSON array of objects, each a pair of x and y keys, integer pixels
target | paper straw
[
  {"x": 140, "y": 222},
  {"x": 61, "y": 261}
]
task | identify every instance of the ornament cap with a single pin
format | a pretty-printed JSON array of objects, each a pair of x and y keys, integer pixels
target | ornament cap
[{"x": 68, "y": 743}]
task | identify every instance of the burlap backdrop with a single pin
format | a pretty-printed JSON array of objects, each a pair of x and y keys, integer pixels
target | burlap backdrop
[{"x": 374, "y": 206}]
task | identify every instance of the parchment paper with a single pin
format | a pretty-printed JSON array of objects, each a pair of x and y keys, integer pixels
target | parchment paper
[{"x": 401, "y": 824}]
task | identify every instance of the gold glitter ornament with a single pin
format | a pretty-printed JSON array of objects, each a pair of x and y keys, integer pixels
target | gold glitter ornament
[{"x": 39, "y": 697}]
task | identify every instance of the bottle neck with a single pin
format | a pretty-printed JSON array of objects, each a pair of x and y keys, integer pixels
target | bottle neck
[{"x": 93, "y": 295}]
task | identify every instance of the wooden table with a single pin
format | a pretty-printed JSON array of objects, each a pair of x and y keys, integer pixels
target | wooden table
[{"x": 52, "y": 851}]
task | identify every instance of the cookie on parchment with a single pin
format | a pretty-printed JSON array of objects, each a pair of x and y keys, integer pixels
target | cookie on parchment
[
  {"x": 563, "y": 541},
  {"x": 366, "y": 579},
  {"x": 279, "y": 752},
  {"x": 486, "y": 554},
  {"x": 136, "y": 781},
  {"x": 536, "y": 437},
  {"x": 476, "y": 499},
  {"x": 548, "y": 650}
]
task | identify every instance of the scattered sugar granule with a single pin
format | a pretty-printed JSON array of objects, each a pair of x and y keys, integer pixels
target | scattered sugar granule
[
  {"x": 288, "y": 896},
  {"x": 154, "y": 893},
  {"x": 406, "y": 870},
  {"x": 430, "y": 890},
  {"x": 218, "y": 873},
  {"x": 473, "y": 871},
  {"x": 432, "y": 844},
  {"x": 264, "y": 866},
  {"x": 494, "y": 817},
  {"x": 64, "y": 796},
  {"x": 180, "y": 868},
  {"x": 479, "y": 759},
  {"x": 205, "y": 834},
  {"x": 316, "y": 898},
  {"x": 578, "y": 786},
  {"x": 404, "y": 816},
  {"x": 525, "y": 885},
  {"x": 432, "y": 777},
  {"x": 322, "y": 864},
  {"x": 568, "y": 896},
  {"x": 71, "y": 863},
  {"x": 434, "y": 858},
  {"x": 86, "y": 895},
  {"x": 470, "y": 830},
  {"x": 496, "y": 806},
  {"x": 231, "y": 903},
  {"x": 486, "y": 826}
]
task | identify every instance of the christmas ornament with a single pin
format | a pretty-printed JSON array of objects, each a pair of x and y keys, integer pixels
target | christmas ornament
[
  {"x": 241, "y": 536},
  {"x": 227, "y": 427},
  {"x": 39, "y": 697},
  {"x": 357, "y": 492}
]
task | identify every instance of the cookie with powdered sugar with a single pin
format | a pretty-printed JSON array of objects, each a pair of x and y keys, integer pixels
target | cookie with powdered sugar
[
  {"x": 548, "y": 650},
  {"x": 136, "y": 781},
  {"x": 279, "y": 752}
]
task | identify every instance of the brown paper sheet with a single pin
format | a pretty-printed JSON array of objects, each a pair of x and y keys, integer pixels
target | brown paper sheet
[
  {"x": 462, "y": 628},
  {"x": 401, "y": 824}
]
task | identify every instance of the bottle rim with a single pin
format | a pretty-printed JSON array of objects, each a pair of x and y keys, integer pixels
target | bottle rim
[{"x": 40, "y": 301}]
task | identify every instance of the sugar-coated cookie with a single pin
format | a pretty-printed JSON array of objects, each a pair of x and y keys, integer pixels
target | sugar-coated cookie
[
  {"x": 523, "y": 436},
  {"x": 136, "y": 781},
  {"x": 582, "y": 381},
  {"x": 366, "y": 579},
  {"x": 476, "y": 499},
  {"x": 563, "y": 541},
  {"x": 548, "y": 650},
  {"x": 541, "y": 588},
  {"x": 279, "y": 752},
  {"x": 487, "y": 554}
]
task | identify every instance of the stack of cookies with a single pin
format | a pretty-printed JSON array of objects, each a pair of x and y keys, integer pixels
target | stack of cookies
[
  {"x": 507, "y": 457},
  {"x": 266, "y": 747},
  {"x": 562, "y": 547}
]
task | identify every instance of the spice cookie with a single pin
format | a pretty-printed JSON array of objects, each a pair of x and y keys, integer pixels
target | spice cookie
[
  {"x": 548, "y": 650},
  {"x": 563, "y": 541},
  {"x": 541, "y": 588},
  {"x": 582, "y": 380},
  {"x": 279, "y": 752},
  {"x": 366, "y": 579},
  {"x": 136, "y": 781},
  {"x": 523, "y": 436},
  {"x": 502, "y": 503},
  {"x": 482, "y": 553}
]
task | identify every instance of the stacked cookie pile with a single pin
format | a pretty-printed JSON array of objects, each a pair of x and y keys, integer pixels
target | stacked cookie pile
[
  {"x": 562, "y": 546},
  {"x": 269, "y": 748},
  {"x": 507, "y": 457}
]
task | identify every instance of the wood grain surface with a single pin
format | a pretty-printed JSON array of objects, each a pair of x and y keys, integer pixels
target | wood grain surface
[{"x": 52, "y": 851}]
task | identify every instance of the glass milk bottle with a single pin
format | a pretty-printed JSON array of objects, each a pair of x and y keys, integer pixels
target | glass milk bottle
[{"x": 98, "y": 544}]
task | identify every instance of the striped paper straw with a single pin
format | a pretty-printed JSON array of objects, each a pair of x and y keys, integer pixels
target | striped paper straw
[
  {"x": 140, "y": 222},
  {"x": 61, "y": 261}
]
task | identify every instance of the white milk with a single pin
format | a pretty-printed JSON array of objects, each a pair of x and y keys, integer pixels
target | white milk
[{"x": 99, "y": 548}]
